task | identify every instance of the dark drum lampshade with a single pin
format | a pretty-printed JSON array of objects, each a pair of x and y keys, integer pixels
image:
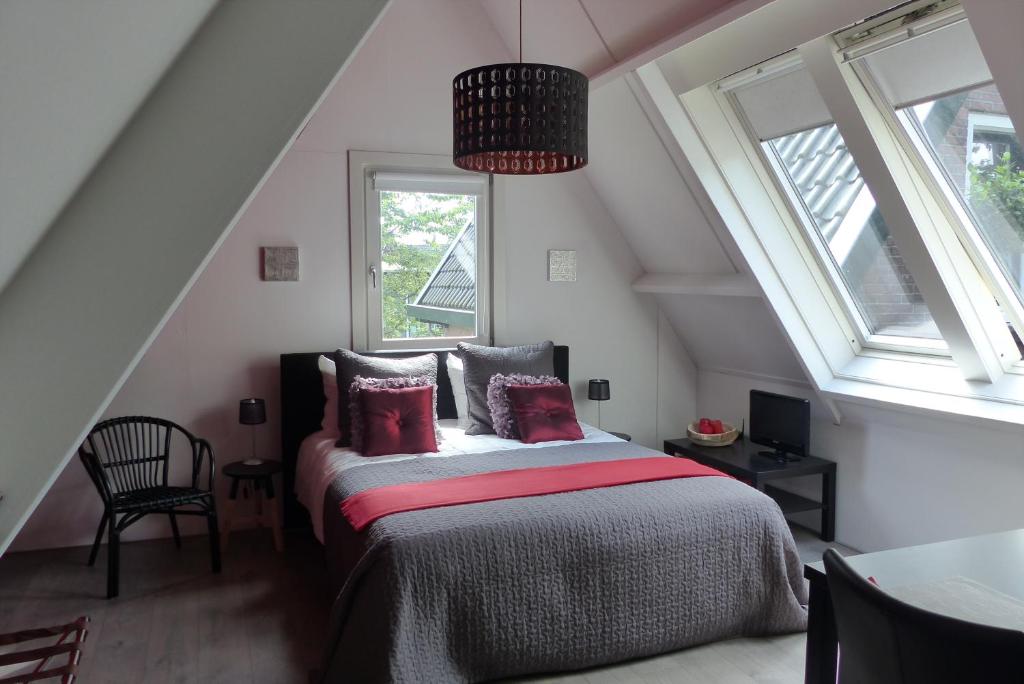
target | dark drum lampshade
[
  {"x": 252, "y": 412},
  {"x": 520, "y": 119},
  {"x": 599, "y": 390}
]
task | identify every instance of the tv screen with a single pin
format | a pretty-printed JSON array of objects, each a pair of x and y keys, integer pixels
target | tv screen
[{"x": 780, "y": 422}]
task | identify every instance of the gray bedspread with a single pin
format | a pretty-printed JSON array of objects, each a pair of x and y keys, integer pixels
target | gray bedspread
[{"x": 550, "y": 583}]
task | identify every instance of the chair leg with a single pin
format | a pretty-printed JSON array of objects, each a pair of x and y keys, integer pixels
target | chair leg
[
  {"x": 211, "y": 523},
  {"x": 99, "y": 539},
  {"x": 113, "y": 555},
  {"x": 174, "y": 529}
]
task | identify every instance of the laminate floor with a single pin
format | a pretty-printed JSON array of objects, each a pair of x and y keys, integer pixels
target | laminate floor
[{"x": 264, "y": 617}]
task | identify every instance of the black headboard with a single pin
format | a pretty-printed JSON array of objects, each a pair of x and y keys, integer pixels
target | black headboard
[{"x": 302, "y": 408}]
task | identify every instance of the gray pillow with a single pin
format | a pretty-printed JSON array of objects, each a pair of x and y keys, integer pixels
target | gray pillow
[
  {"x": 349, "y": 365},
  {"x": 481, "y": 363}
]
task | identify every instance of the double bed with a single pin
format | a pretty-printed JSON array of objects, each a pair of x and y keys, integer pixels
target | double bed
[{"x": 517, "y": 586}]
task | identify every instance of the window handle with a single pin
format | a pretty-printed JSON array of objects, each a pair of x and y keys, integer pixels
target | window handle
[{"x": 373, "y": 275}]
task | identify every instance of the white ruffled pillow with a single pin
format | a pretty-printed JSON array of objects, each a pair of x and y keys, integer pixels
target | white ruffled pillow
[
  {"x": 457, "y": 377},
  {"x": 329, "y": 373}
]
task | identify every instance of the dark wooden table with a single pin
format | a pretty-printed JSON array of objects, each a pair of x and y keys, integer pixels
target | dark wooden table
[
  {"x": 995, "y": 560},
  {"x": 742, "y": 461},
  {"x": 256, "y": 483}
]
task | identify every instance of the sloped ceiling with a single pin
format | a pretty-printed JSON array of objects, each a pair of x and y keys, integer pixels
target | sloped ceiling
[
  {"x": 71, "y": 101},
  {"x": 151, "y": 214},
  {"x": 644, "y": 187},
  {"x": 643, "y": 190}
]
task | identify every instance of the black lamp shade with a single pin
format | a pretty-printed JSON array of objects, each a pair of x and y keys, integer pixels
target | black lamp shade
[
  {"x": 252, "y": 412},
  {"x": 599, "y": 390},
  {"x": 520, "y": 119}
]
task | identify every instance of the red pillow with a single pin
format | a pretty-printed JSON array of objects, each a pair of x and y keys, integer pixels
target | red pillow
[
  {"x": 544, "y": 413},
  {"x": 398, "y": 421}
]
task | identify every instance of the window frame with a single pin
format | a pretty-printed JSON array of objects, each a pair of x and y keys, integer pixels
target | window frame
[
  {"x": 958, "y": 217},
  {"x": 866, "y": 340},
  {"x": 698, "y": 123},
  {"x": 364, "y": 240}
]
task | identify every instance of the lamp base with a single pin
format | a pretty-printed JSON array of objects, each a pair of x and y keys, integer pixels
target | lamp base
[{"x": 253, "y": 461}]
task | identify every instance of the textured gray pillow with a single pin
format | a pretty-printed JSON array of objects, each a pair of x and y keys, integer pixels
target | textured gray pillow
[
  {"x": 356, "y": 410},
  {"x": 481, "y": 363},
  {"x": 503, "y": 420},
  {"x": 349, "y": 365}
]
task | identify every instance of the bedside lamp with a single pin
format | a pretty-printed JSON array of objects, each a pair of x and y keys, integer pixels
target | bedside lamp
[
  {"x": 252, "y": 412},
  {"x": 599, "y": 390}
]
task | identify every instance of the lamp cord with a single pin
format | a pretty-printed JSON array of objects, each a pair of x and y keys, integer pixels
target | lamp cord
[{"x": 520, "y": 31}]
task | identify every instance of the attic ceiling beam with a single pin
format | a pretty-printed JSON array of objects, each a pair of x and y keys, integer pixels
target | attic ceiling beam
[
  {"x": 720, "y": 284},
  {"x": 713, "y": 21},
  {"x": 100, "y": 285}
]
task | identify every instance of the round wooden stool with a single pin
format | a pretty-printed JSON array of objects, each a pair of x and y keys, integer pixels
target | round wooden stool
[{"x": 256, "y": 482}]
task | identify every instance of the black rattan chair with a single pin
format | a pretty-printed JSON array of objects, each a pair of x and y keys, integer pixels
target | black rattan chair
[
  {"x": 885, "y": 641},
  {"x": 128, "y": 460}
]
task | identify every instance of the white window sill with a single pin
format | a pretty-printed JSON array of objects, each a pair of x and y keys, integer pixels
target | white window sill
[{"x": 929, "y": 386}]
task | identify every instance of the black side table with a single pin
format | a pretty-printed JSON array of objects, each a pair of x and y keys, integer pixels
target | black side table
[
  {"x": 742, "y": 461},
  {"x": 256, "y": 483}
]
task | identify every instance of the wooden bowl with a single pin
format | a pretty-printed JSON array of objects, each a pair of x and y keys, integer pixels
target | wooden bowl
[{"x": 724, "y": 439}]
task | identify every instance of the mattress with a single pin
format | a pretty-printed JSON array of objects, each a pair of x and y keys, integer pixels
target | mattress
[
  {"x": 481, "y": 591},
  {"x": 320, "y": 462}
]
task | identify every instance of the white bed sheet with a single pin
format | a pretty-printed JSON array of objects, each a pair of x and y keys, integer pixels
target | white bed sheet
[{"x": 319, "y": 461}]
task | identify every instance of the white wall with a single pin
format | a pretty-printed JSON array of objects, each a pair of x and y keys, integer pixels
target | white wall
[
  {"x": 223, "y": 342},
  {"x": 902, "y": 478}
]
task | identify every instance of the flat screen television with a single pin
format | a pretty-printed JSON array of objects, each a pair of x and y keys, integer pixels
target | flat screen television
[{"x": 780, "y": 422}]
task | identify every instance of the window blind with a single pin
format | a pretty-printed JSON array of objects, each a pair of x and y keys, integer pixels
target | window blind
[
  {"x": 439, "y": 183},
  {"x": 779, "y": 99},
  {"x": 925, "y": 59}
]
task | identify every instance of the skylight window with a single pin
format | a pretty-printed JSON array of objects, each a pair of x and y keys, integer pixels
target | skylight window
[
  {"x": 980, "y": 159},
  {"x": 829, "y": 198},
  {"x": 846, "y": 221},
  {"x": 875, "y": 184}
]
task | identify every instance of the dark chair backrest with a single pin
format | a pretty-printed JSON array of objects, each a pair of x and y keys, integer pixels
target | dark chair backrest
[
  {"x": 128, "y": 454},
  {"x": 883, "y": 640}
]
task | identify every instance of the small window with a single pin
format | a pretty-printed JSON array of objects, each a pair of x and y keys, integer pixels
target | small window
[
  {"x": 423, "y": 270},
  {"x": 840, "y": 208}
]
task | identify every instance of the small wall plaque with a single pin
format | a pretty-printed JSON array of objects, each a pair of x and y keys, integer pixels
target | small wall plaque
[
  {"x": 562, "y": 265},
  {"x": 280, "y": 264}
]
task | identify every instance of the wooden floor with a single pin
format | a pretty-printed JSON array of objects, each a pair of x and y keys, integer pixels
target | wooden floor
[{"x": 264, "y": 618}]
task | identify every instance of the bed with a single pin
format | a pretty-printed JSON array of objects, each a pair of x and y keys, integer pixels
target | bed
[{"x": 511, "y": 587}]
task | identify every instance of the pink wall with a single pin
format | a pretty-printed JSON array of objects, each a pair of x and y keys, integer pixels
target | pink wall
[{"x": 223, "y": 343}]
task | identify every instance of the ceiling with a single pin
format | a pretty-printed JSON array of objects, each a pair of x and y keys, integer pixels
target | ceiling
[{"x": 592, "y": 35}]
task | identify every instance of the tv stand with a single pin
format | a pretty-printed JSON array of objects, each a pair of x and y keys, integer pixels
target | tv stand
[{"x": 742, "y": 460}]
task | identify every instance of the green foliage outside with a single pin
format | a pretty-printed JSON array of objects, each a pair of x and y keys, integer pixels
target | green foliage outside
[
  {"x": 999, "y": 187},
  {"x": 416, "y": 231}
]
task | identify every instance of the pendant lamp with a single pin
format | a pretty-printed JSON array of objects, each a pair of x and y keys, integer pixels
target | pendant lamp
[{"x": 520, "y": 118}]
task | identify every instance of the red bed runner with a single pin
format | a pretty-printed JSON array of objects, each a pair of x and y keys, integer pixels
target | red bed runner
[{"x": 363, "y": 508}]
